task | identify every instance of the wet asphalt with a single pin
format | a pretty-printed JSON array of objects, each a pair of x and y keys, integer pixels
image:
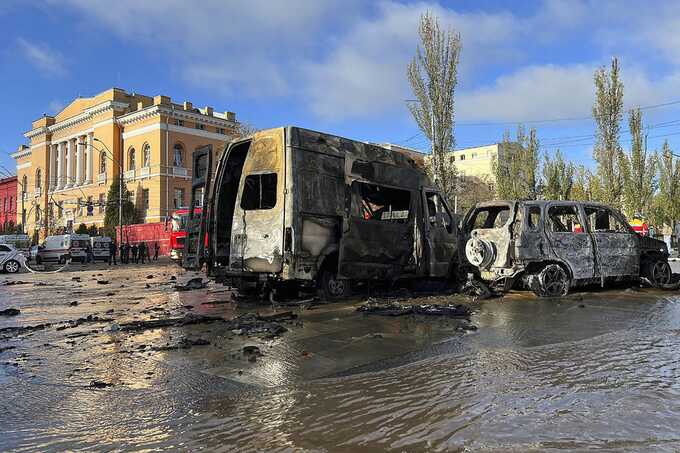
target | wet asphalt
[{"x": 594, "y": 370}]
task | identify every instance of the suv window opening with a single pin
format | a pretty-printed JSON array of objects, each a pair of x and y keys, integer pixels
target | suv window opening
[
  {"x": 565, "y": 219},
  {"x": 490, "y": 217}
]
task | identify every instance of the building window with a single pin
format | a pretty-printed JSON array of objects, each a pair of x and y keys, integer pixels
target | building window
[
  {"x": 179, "y": 198},
  {"x": 462, "y": 157},
  {"x": 102, "y": 203},
  {"x": 131, "y": 197},
  {"x": 178, "y": 153},
  {"x": 145, "y": 199},
  {"x": 179, "y": 123},
  {"x": 146, "y": 155},
  {"x": 131, "y": 159},
  {"x": 453, "y": 158},
  {"x": 474, "y": 155},
  {"x": 102, "y": 162},
  {"x": 200, "y": 126},
  {"x": 38, "y": 179},
  {"x": 24, "y": 185},
  {"x": 220, "y": 130}
]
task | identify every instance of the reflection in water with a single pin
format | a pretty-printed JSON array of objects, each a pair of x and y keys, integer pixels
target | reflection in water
[{"x": 538, "y": 375}]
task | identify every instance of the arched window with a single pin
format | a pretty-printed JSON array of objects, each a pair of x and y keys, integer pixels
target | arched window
[
  {"x": 37, "y": 214},
  {"x": 38, "y": 178},
  {"x": 178, "y": 153},
  {"x": 131, "y": 159},
  {"x": 102, "y": 162},
  {"x": 146, "y": 155},
  {"x": 24, "y": 184}
]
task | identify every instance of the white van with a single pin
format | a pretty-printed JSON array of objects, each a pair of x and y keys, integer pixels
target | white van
[
  {"x": 60, "y": 247},
  {"x": 100, "y": 248}
]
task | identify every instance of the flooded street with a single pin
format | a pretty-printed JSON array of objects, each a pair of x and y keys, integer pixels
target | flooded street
[{"x": 594, "y": 370}]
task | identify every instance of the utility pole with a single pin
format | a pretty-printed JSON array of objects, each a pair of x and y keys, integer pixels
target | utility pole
[{"x": 120, "y": 187}]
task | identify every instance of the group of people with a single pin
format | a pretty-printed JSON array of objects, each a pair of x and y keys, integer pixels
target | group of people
[{"x": 133, "y": 254}]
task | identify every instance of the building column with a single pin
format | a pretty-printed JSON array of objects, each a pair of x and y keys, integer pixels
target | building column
[
  {"x": 69, "y": 163},
  {"x": 60, "y": 165},
  {"x": 52, "y": 181},
  {"x": 90, "y": 159},
  {"x": 79, "y": 161}
]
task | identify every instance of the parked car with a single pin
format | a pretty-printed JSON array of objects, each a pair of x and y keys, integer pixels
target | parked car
[
  {"x": 294, "y": 206},
  {"x": 100, "y": 248},
  {"x": 552, "y": 246},
  {"x": 11, "y": 259},
  {"x": 21, "y": 242},
  {"x": 61, "y": 248}
]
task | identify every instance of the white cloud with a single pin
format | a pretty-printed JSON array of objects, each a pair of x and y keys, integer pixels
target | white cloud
[{"x": 42, "y": 57}]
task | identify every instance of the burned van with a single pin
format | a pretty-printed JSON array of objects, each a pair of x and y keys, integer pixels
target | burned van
[
  {"x": 550, "y": 246},
  {"x": 291, "y": 205}
]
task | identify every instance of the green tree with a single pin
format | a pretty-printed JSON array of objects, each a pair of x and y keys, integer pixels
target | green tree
[
  {"x": 666, "y": 206},
  {"x": 608, "y": 113},
  {"x": 433, "y": 75},
  {"x": 558, "y": 177},
  {"x": 586, "y": 185},
  {"x": 130, "y": 214},
  {"x": 639, "y": 170},
  {"x": 515, "y": 168}
]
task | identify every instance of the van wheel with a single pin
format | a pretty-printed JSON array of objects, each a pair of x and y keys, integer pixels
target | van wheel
[
  {"x": 551, "y": 281},
  {"x": 12, "y": 267},
  {"x": 332, "y": 287},
  {"x": 658, "y": 272}
]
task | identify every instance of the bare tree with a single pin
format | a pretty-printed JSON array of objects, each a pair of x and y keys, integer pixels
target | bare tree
[
  {"x": 638, "y": 169},
  {"x": 433, "y": 74},
  {"x": 608, "y": 113}
]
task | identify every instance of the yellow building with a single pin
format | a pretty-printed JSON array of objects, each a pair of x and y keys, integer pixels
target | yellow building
[
  {"x": 74, "y": 156},
  {"x": 477, "y": 161}
]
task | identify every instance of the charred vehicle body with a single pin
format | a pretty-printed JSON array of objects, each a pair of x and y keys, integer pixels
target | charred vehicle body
[
  {"x": 550, "y": 246},
  {"x": 290, "y": 205}
]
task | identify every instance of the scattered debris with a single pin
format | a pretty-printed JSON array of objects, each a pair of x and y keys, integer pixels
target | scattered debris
[
  {"x": 149, "y": 276},
  {"x": 74, "y": 303},
  {"x": 393, "y": 308},
  {"x": 100, "y": 384},
  {"x": 75, "y": 279},
  {"x": 477, "y": 289},
  {"x": 10, "y": 312},
  {"x": 194, "y": 283},
  {"x": 15, "y": 282},
  {"x": 184, "y": 343},
  {"x": 102, "y": 282}
]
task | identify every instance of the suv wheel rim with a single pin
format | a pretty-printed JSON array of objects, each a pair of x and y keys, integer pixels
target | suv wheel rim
[
  {"x": 661, "y": 273},
  {"x": 554, "y": 280},
  {"x": 336, "y": 286},
  {"x": 12, "y": 267}
]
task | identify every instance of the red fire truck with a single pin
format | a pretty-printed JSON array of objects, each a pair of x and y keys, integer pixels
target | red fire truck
[{"x": 178, "y": 231}]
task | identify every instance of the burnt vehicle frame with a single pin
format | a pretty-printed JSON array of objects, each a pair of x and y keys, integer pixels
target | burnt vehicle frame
[
  {"x": 552, "y": 246},
  {"x": 309, "y": 209}
]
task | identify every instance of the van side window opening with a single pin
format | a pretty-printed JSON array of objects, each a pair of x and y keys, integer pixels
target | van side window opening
[
  {"x": 490, "y": 217},
  {"x": 603, "y": 220},
  {"x": 564, "y": 219},
  {"x": 437, "y": 208},
  {"x": 384, "y": 204},
  {"x": 534, "y": 217},
  {"x": 259, "y": 192}
]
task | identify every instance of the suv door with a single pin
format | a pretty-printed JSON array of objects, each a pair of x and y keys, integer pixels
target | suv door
[
  {"x": 569, "y": 241},
  {"x": 194, "y": 246},
  {"x": 441, "y": 234},
  {"x": 618, "y": 246}
]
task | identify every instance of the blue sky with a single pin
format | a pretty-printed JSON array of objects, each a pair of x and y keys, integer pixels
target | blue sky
[{"x": 339, "y": 66}]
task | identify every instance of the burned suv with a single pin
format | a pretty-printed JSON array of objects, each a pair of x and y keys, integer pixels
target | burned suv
[{"x": 551, "y": 246}]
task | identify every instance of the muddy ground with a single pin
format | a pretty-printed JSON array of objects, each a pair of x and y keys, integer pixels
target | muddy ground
[{"x": 117, "y": 358}]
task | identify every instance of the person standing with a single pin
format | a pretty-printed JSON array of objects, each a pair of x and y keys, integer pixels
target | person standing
[
  {"x": 133, "y": 253},
  {"x": 142, "y": 251},
  {"x": 156, "y": 247},
  {"x": 112, "y": 252},
  {"x": 122, "y": 253},
  {"x": 127, "y": 253}
]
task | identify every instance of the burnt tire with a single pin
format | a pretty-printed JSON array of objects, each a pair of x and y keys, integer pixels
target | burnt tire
[
  {"x": 551, "y": 281},
  {"x": 12, "y": 266},
  {"x": 331, "y": 287},
  {"x": 658, "y": 272}
]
